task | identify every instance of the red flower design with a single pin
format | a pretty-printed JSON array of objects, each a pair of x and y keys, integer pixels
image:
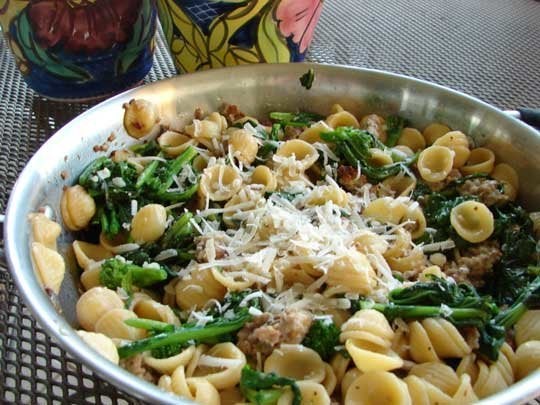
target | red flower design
[
  {"x": 299, "y": 18},
  {"x": 85, "y": 26}
]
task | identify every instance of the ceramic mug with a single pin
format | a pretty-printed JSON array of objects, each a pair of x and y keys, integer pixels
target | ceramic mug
[
  {"x": 204, "y": 34},
  {"x": 80, "y": 49}
]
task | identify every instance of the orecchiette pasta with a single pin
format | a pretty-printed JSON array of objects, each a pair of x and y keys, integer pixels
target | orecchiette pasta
[
  {"x": 100, "y": 343},
  {"x": 368, "y": 340},
  {"x": 508, "y": 177},
  {"x": 50, "y": 266},
  {"x": 140, "y": 117},
  {"x": 195, "y": 291},
  {"x": 244, "y": 146},
  {"x": 89, "y": 253},
  {"x": 304, "y": 154},
  {"x": 264, "y": 176},
  {"x": 473, "y": 221},
  {"x": 149, "y": 223},
  {"x": 95, "y": 303},
  {"x": 435, "y": 163},
  {"x": 435, "y": 338},
  {"x": 220, "y": 182},
  {"x": 488, "y": 379},
  {"x": 112, "y": 324},
  {"x": 313, "y": 133},
  {"x": 433, "y": 132},
  {"x": 481, "y": 160},
  {"x": 412, "y": 138},
  {"x": 528, "y": 327},
  {"x": 246, "y": 252},
  {"x": 351, "y": 273},
  {"x": 44, "y": 230},
  {"x": 342, "y": 119},
  {"x": 527, "y": 358},
  {"x": 296, "y": 361},
  {"x": 375, "y": 387},
  {"x": 456, "y": 141},
  {"x": 174, "y": 143},
  {"x": 77, "y": 207}
]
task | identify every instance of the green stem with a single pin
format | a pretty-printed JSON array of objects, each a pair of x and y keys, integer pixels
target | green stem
[
  {"x": 181, "y": 336},
  {"x": 176, "y": 165}
]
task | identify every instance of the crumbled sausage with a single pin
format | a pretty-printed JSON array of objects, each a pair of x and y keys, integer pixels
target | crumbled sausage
[
  {"x": 136, "y": 366},
  {"x": 198, "y": 114},
  {"x": 349, "y": 179},
  {"x": 454, "y": 174},
  {"x": 266, "y": 332},
  {"x": 474, "y": 263},
  {"x": 292, "y": 132},
  {"x": 488, "y": 191},
  {"x": 231, "y": 112}
]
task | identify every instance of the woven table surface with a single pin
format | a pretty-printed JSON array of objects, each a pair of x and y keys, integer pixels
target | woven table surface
[{"x": 487, "y": 48}]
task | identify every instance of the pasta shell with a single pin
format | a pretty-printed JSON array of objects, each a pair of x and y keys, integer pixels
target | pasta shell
[
  {"x": 77, "y": 207},
  {"x": 473, "y": 221},
  {"x": 140, "y": 117},
  {"x": 49, "y": 265},
  {"x": 94, "y": 303},
  {"x": 44, "y": 230},
  {"x": 297, "y": 362},
  {"x": 149, "y": 223},
  {"x": 377, "y": 387},
  {"x": 101, "y": 344},
  {"x": 112, "y": 324},
  {"x": 433, "y": 132}
]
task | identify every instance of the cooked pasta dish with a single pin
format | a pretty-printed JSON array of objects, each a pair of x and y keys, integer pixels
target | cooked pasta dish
[{"x": 302, "y": 259}]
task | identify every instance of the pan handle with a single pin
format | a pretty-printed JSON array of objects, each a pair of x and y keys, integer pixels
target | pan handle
[{"x": 530, "y": 116}]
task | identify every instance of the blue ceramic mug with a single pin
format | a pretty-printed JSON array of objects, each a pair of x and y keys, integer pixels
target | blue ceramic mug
[{"x": 80, "y": 49}]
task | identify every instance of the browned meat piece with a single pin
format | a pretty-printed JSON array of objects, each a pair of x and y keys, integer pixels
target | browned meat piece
[
  {"x": 198, "y": 114},
  {"x": 374, "y": 124},
  {"x": 488, "y": 191},
  {"x": 231, "y": 112},
  {"x": 292, "y": 133},
  {"x": 453, "y": 175},
  {"x": 474, "y": 263},
  {"x": 349, "y": 179},
  {"x": 266, "y": 332},
  {"x": 135, "y": 365}
]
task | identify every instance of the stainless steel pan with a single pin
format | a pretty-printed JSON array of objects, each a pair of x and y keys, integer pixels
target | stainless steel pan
[{"x": 257, "y": 89}]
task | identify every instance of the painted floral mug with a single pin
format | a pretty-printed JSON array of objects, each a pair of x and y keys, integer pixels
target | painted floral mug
[
  {"x": 204, "y": 34},
  {"x": 80, "y": 49}
]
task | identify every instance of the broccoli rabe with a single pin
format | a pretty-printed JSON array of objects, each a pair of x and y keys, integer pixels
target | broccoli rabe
[
  {"x": 394, "y": 126},
  {"x": 180, "y": 233},
  {"x": 235, "y": 302},
  {"x": 114, "y": 272},
  {"x": 353, "y": 146},
  {"x": 266, "y": 388},
  {"x": 301, "y": 119},
  {"x": 323, "y": 337},
  {"x": 306, "y": 80},
  {"x": 462, "y": 306},
  {"x": 217, "y": 331}
]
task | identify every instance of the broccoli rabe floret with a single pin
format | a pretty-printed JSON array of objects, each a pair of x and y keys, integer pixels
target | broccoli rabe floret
[
  {"x": 323, "y": 337},
  {"x": 114, "y": 272},
  {"x": 266, "y": 388}
]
